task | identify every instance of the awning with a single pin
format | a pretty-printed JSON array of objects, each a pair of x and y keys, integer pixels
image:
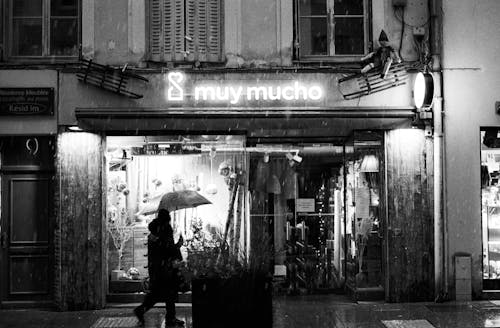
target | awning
[{"x": 257, "y": 122}]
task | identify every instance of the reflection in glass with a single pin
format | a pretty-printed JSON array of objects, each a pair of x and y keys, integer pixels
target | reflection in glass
[
  {"x": 348, "y": 7},
  {"x": 27, "y": 37},
  {"x": 313, "y": 33},
  {"x": 63, "y": 37},
  {"x": 312, "y": 7},
  {"x": 64, "y": 8},
  {"x": 349, "y": 36},
  {"x": 27, "y": 8}
]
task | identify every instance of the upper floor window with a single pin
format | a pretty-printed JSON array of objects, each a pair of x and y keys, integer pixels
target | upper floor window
[
  {"x": 185, "y": 30},
  {"x": 43, "y": 28},
  {"x": 331, "y": 28}
]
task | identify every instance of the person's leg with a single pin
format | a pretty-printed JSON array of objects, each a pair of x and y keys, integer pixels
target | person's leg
[
  {"x": 149, "y": 301},
  {"x": 170, "y": 319}
]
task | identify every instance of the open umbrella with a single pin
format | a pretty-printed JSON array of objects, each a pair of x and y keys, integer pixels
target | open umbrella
[{"x": 178, "y": 200}]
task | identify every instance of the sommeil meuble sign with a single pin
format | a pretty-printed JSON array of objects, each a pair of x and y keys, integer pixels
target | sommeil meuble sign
[{"x": 179, "y": 89}]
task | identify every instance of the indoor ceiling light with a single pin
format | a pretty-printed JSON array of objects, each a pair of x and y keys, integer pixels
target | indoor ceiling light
[
  {"x": 75, "y": 128},
  {"x": 369, "y": 164}
]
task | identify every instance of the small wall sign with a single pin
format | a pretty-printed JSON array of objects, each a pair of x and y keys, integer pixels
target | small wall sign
[
  {"x": 305, "y": 205},
  {"x": 497, "y": 107},
  {"x": 27, "y": 101}
]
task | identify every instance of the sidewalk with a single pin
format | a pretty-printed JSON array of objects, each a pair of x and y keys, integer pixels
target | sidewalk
[{"x": 289, "y": 312}]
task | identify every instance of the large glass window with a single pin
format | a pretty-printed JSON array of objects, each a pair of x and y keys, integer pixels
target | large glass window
[
  {"x": 43, "y": 28},
  {"x": 312, "y": 209},
  {"x": 331, "y": 27},
  {"x": 490, "y": 206},
  {"x": 140, "y": 170}
]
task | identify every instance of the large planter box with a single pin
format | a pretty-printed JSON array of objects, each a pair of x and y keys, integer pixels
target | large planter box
[{"x": 240, "y": 301}]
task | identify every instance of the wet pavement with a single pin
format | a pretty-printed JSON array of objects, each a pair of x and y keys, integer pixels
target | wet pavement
[{"x": 289, "y": 312}]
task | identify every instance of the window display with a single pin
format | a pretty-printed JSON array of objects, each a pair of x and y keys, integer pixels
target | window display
[
  {"x": 362, "y": 209},
  {"x": 490, "y": 207},
  {"x": 315, "y": 208},
  {"x": 293, "y": 190},
  {"x": 141, "y": 170}
]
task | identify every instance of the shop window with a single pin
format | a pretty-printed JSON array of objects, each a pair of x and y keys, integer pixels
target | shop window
[
  {"x": 331, "y": 28},
  {"x": 43, "y": 28},
  {"x": 362, "y": 207},
  {"x": 140, "y": 170},
  {"x": 490, "y": 206},
  {"x": 185, "y": 30}
]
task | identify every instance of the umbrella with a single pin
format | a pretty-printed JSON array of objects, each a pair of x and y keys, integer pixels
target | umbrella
[{"x": 178, "y": 200}]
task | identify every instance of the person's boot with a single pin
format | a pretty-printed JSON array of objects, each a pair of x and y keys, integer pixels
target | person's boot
[
  {"x": 139, "y": 313},
  {"x": 173, "y": 322}
]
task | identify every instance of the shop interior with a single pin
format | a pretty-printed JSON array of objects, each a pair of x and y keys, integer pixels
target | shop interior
[
  {"x": 315, "y": 206},
  {"x": 490, "y": 207}
]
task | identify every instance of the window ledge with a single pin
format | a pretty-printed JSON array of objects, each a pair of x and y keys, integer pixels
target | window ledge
[{"x": 347, "y": 59}]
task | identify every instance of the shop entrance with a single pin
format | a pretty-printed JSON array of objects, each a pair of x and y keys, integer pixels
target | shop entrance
[
  {"x": 26, "y": 254},
  {"x": 311, "y": 209},
  {"x": 320, "y": 204}
]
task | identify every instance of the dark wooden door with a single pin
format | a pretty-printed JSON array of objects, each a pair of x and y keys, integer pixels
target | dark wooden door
[
  {"x": 26, "y": 248},
  {"x": 410, "y": 266}
]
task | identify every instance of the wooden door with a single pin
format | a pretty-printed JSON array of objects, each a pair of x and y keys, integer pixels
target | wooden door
[
  {"x": 410, "y": 266},
  {"x": 26, "y": 222}
]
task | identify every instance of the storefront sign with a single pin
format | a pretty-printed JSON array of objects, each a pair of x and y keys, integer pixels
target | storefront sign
[
  {"x": 305, "y": 205},
  {"x": 26, "y": 101},
  {"x": 235, "y": 92}
]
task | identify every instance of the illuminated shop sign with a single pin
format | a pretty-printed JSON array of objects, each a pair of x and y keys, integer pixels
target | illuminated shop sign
[{"x": 235, "y": 92}]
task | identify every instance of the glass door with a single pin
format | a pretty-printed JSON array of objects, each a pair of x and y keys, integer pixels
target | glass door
[
  {"x": 364, "y": 242},
  {"x": 295, "y": 202}
]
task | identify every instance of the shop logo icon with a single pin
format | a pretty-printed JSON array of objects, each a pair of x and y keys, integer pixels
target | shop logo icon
[{"x": 175, "y": 92}]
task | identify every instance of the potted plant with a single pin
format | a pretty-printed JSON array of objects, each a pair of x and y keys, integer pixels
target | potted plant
[
  {"x": 227, "y": 286},
  {"x": 118, "y": 223}
]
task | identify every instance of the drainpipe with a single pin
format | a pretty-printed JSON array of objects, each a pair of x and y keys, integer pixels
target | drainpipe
[{"x": 440, "y": 235}]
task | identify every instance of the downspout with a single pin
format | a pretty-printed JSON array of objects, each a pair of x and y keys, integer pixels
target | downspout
[{"x": 440, "y": 235}]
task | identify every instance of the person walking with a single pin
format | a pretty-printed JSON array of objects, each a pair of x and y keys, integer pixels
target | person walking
[{"x": 163, "y": 254}]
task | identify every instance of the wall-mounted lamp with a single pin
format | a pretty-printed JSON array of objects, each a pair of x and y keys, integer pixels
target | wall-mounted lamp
[{"x": 423, "y": 90}]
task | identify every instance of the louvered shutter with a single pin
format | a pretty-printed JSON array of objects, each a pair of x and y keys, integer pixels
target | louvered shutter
[
  {"x": 173, "y": 30},
  {"x": 155, "y": 30},
  {"x": 166, "y": 30},
  {"x": 214, "y": 52},
  {"x": 203, "y": 25}
]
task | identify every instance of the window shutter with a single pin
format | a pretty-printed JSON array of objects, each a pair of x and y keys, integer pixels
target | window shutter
[
  {"x": 173, "y": 30},
  {"x": 214, "y": 30},
  {"x": 155, "y": 30},
  {"x": 203, "y": 30}
]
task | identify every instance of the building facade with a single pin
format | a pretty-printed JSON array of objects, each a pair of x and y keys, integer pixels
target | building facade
[
  {"x": 108, "y": 105},
  {"x": 471, "y": 124}
]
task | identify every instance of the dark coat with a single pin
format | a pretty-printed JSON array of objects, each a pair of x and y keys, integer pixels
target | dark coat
[{"x": 162, "y": 252}]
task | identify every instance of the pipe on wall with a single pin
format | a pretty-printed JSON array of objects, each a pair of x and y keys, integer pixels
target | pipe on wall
[{"x": 440, "y": 235}]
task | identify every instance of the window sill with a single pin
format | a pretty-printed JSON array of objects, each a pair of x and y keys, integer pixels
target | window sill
[
  {"x": 348, "y": 59},
  {"x": 57, "y": 60}
]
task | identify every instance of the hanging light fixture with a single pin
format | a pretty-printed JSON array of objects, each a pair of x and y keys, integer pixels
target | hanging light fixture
[{"x": 369, "y": 163}]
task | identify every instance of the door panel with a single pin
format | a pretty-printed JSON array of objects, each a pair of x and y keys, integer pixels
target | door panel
[
  {"x": 26, "y": 253},
  {"x": 29, "y": 274},
  {"x": 29, "y": 210}
]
